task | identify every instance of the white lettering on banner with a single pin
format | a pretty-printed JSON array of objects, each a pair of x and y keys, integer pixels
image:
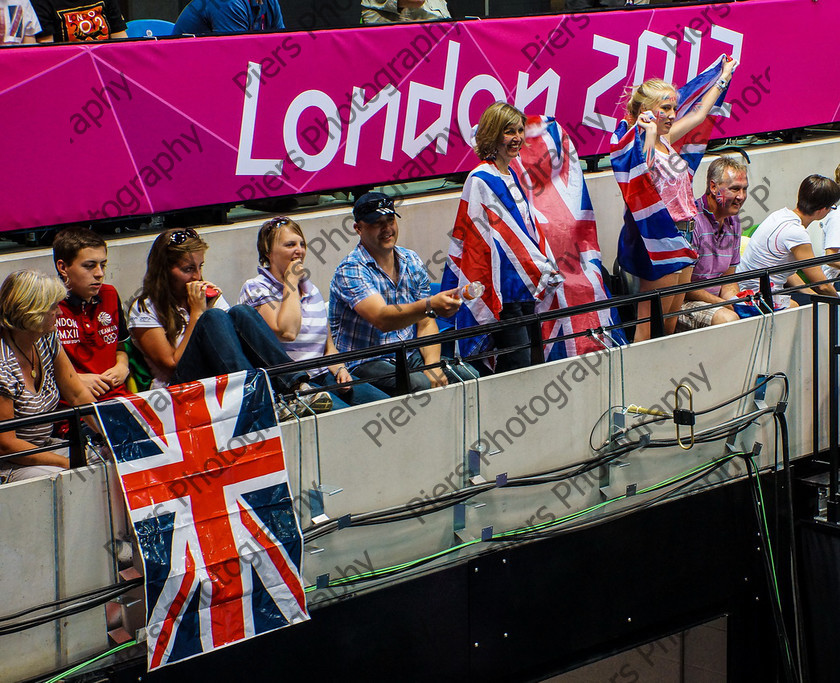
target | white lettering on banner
[
  {"x": 390, "y": 97},
  {"x": 482, "y": 82},
  {"x": 657, "y": 41},
  {"x": 646, "y": 40},
  {"x": 618, "y": 74},
  {"x": 444, "y": 97},
  {"x": 245, "y": 163},
  {"x": 322, "y": 101},
  {"x": 693, "y": 37},
  {"x": 324, "y": 137},
  {"x": 549, "y": 83}
]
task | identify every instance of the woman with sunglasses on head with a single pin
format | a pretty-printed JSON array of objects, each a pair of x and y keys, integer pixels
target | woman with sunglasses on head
[
  {"x": 34, "y": 372},
  {"x": 187, "y": 331},
  {"x": 294, "y": 309}
]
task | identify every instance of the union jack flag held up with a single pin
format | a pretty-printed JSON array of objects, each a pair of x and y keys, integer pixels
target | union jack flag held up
[
  {"x": 207, "y": 490},
  {"x": 649, "y": 244}
]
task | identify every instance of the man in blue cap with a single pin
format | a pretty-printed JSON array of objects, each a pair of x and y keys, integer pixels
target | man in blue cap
[{"x": 380, "y": 293}]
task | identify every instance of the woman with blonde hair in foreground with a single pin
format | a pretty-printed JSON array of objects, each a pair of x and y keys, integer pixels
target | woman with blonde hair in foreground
[{"x": 34, "y": 372}]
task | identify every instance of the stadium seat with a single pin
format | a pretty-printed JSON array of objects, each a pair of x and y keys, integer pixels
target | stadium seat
[{"x": 148, "y": 28}]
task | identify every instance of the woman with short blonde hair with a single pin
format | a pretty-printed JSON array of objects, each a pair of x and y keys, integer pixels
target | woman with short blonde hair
[
  {"x": 497, "y": 241},
  {"x": 34, "y": 372}
]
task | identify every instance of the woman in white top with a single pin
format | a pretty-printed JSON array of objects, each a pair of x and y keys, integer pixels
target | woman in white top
[
  {"x": 34, "y": 372},
  {"x": 187, "y": 331},
  {"x": 292, "y": 306}
]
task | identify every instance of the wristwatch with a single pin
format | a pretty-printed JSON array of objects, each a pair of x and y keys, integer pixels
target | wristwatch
[{"x": 429, "y": 312}]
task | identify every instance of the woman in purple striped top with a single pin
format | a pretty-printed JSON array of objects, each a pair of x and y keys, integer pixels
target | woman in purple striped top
[{"x": 295, "y": 310}]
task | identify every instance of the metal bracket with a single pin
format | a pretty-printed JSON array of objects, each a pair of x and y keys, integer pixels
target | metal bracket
[
  {"x": 474, "y": 467},
  {"x": 760, "y": 392},
  {"x": 322, "y": 580},
  {"x": 618, "y": 422},
  {"x": 459, "y": 524},
  {"x": 316, "y": 501},
  {"x": 616, "y": 486},
  {"x": 487, "y": 533}
]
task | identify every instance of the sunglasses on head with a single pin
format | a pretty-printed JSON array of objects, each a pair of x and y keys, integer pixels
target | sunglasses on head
[
  {"x": 279, "y": 220},
  {"x": 181, "y": 236}
]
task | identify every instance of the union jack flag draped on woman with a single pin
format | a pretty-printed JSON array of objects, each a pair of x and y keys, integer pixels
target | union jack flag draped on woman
[
  {"x": 650, "y": 246},
  {"x": 490, "y": 242}
]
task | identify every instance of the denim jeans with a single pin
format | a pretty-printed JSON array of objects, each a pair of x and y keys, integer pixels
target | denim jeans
[
  {"x": 355, "y": 396},
  {"x": 229, "y": 341},
  {"x": 375, "y": 369}
]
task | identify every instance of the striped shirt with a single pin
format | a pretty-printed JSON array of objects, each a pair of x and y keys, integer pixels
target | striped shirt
[
  {"x": 25, "y": 402},
  {"x": 311, "y": 341},
  {"x": 358, "y": 277}
]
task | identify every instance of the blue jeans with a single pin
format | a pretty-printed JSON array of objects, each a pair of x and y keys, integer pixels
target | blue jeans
[
  {"x": 229, "y": 341},
  {"x": 355, "y": 396},
  {"x": 375, "y": 369}
]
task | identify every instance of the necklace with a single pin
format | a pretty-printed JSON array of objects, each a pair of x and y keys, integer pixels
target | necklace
[{"x": 33, "y": 372}]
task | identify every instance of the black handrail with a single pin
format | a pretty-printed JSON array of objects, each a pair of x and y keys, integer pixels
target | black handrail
[{"x": 401, "y": 350}]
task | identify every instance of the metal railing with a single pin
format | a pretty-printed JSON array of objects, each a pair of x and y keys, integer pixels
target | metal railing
[
  {"x": 833, "y": 360},
  {"x": 401, "y": 350}
]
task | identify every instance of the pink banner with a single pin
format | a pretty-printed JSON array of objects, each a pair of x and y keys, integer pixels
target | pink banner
[{"x": 135, "y": 128}]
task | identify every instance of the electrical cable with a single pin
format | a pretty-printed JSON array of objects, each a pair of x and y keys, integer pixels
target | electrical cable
[
  {"x": 70, "y": 610},
  {"x": 80, "y": 596},
  {"x": 704, "y": 470},
  {"x": 79, "y": 667},
  {"x": 770, "y": 569},
  {"x": 421, "y": 508},
  {"x": 796, "y": 598}
]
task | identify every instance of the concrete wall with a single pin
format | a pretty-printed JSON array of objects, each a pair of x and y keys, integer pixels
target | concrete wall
[{"x": 426, "y": 221}]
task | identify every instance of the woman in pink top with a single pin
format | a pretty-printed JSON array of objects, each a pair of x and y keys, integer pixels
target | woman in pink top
[{"x": 653, "y": 107}]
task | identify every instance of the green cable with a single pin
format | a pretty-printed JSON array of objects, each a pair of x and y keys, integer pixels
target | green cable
[
  {"x": 81, "y": 666},
  {"x": 770, "y": 551},
  {"x": 767, "y": 533},
  {"x": 580, "y": 513},
  {"x": 513, "y": 532}
]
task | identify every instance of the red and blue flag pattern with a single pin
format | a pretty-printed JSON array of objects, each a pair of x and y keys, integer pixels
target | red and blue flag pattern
[
  {"x": 556, "y": 189},
  {"x": 553, "y": 257},
  {"x": 650, "y": 246},
  {"x": 207, "y": 490},
  {"x": 493, "y": 243}
]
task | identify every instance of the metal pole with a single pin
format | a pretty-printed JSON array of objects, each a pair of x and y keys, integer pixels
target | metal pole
[
  {"x": 403, "y": 379},
  {"x": 834, "y": 456},
  {"x": 657, "y": 320},
  {"x": 815, "y": 365},
  {"x": 77, "y": 448},
  {"x": 535, "y": 335},
  {"x": 766, "y": 290}
]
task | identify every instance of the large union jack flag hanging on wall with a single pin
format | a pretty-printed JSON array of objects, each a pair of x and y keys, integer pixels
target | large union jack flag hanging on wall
[{"x": 206, "y": 485}]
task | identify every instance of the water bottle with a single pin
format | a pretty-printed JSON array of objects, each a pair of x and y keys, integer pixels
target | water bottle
[{"x": 472, "y": 291}]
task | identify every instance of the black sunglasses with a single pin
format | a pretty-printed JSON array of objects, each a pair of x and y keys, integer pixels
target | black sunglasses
[
  {"x": 182, "y": 236},
  {"x": 279, "y": 220}
]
